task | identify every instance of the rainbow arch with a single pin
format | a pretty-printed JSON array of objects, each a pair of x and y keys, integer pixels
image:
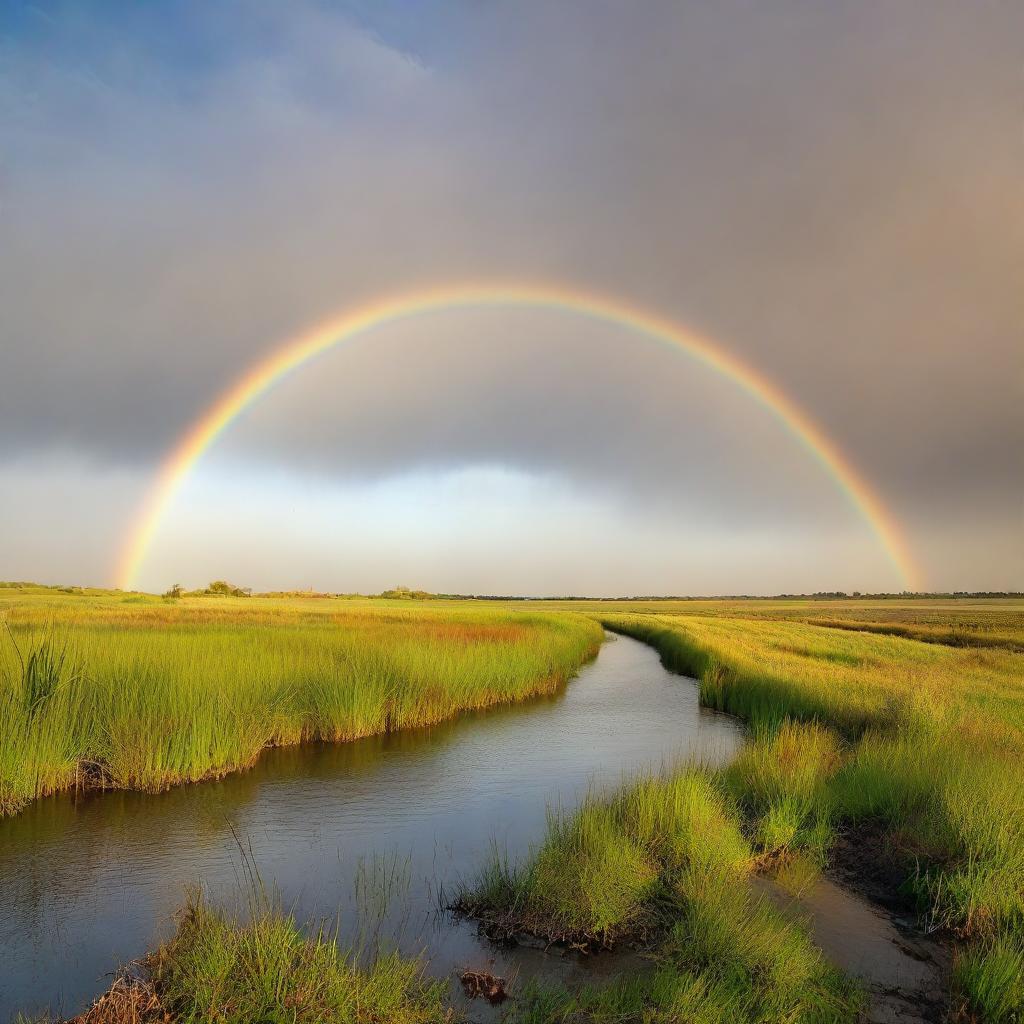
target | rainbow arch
[{"x": 296, "y": 351}]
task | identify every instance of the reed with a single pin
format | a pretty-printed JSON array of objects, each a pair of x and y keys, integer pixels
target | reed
[
  {"x": 663, "y": 862},
  {"x": 898, "y": 719},
  {"x": 920, "y": 741},
  {"x": 94, "y": 692},
  {"x": 267, "y": 969},
  {"x": 264, "y": 967}
]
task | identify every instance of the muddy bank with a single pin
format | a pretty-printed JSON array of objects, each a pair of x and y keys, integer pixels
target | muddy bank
[{"x": 905, "y": 972}]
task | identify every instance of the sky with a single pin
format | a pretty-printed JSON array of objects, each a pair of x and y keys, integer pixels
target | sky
[{"x": 831, "y": 192}]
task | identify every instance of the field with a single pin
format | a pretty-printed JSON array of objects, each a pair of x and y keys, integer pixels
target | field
[
  {"x": 908, "y": 749},
  {"x": 886, "y": 740},
  {"x": 133, "y": 692},
  {"x": 991, "y": 622}
]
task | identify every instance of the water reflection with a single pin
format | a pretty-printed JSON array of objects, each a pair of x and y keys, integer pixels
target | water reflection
[{"x": 86, "y": 884}]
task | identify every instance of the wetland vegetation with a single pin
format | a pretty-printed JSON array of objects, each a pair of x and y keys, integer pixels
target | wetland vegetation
[
  {"x": 909, "y": 751},
  {"x": 885, "y": 746},
  {"x": 264, "y": 968},
  {"x": 131, "y": 692}
]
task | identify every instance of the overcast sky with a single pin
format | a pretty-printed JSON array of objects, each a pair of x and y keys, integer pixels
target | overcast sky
[{"x": 831, "y": 191}]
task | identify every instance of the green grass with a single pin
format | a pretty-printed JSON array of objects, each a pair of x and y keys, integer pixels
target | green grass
[
  {"x": 100, "y": 691},
  {"x": 780, "y": 781},
  {"x": 897, "y": 718},
  {"x": 665, "y": 863},
  {"x": 265, "y": 969},
  {"x": 956, "y": 622},
  {"x": 922, "y": 741},
  {"x": 990, "y": 978},
  {"x": 268, "y": 970}
]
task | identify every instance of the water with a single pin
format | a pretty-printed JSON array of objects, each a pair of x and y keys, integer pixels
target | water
[
  {"x": 91, "y": 883},
  {"x": 903, "y": 971}
]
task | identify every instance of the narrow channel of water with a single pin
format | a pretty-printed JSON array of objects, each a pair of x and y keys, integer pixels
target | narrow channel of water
[
  {"x": 88, "y": 884},
  {"x": 904, "y": 972}
]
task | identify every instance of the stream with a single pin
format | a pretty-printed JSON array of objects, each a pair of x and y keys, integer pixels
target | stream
[
  {"x": 372, "y": 837},
  {"x": 367, "y": 836}
]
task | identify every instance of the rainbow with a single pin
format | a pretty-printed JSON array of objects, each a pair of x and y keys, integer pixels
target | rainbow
[{"x": 299, "y": 350}]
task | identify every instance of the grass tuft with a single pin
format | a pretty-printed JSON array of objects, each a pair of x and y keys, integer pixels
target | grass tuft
[
  {"x": 989, "y": 978},
  {"x": 266, "y": 970},
  {"x": 663, "y": 863}
]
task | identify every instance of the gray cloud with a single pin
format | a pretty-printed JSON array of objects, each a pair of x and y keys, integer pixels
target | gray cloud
[{"x": 831, "y": 189}]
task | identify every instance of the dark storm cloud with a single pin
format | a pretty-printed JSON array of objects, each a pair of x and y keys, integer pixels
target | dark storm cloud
[
  {"x": 543, "y": 393},
  {"x": 833, "y": 189}
]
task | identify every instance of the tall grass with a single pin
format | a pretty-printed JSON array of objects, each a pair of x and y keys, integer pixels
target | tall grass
[
  {"x": 894, "y": 718},
  {"x": 265, "y": 969},
  {"x": 149, "y": 696},
  {"x": 42, "y": 690},
  {"x": 664, "y": 862},
  {"x": 216, "y": 969},
  {"x": 780, "y": 781},
  {"x": 922, "y": 741},
  {"x": 990, "y": 975}
]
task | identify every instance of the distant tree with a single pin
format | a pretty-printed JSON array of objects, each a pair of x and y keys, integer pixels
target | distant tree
[
  {"x": 395, "y": 593},
  {"x": 174, "y": 591},
  {"x": 222, "y": 588},
  {"x": 405, "y": 594}
]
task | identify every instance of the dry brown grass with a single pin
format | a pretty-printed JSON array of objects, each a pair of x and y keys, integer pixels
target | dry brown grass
[{"x": 132, "y": 999}]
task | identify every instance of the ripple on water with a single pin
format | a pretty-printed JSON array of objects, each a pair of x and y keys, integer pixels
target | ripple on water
[{"x": 89, "y": 884}]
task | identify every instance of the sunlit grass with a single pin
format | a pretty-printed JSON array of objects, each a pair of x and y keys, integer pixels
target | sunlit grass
[
  {"x": 264, "y": 968},
  {"x": 990, "y": 976},
  {"x": 145, "y": 696},
  {"x": 268, "y": 970},
  {"x": 905, "y": 719},
  {"x": 664, "y": 862},
  {"x": 923, "y": 740}
]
